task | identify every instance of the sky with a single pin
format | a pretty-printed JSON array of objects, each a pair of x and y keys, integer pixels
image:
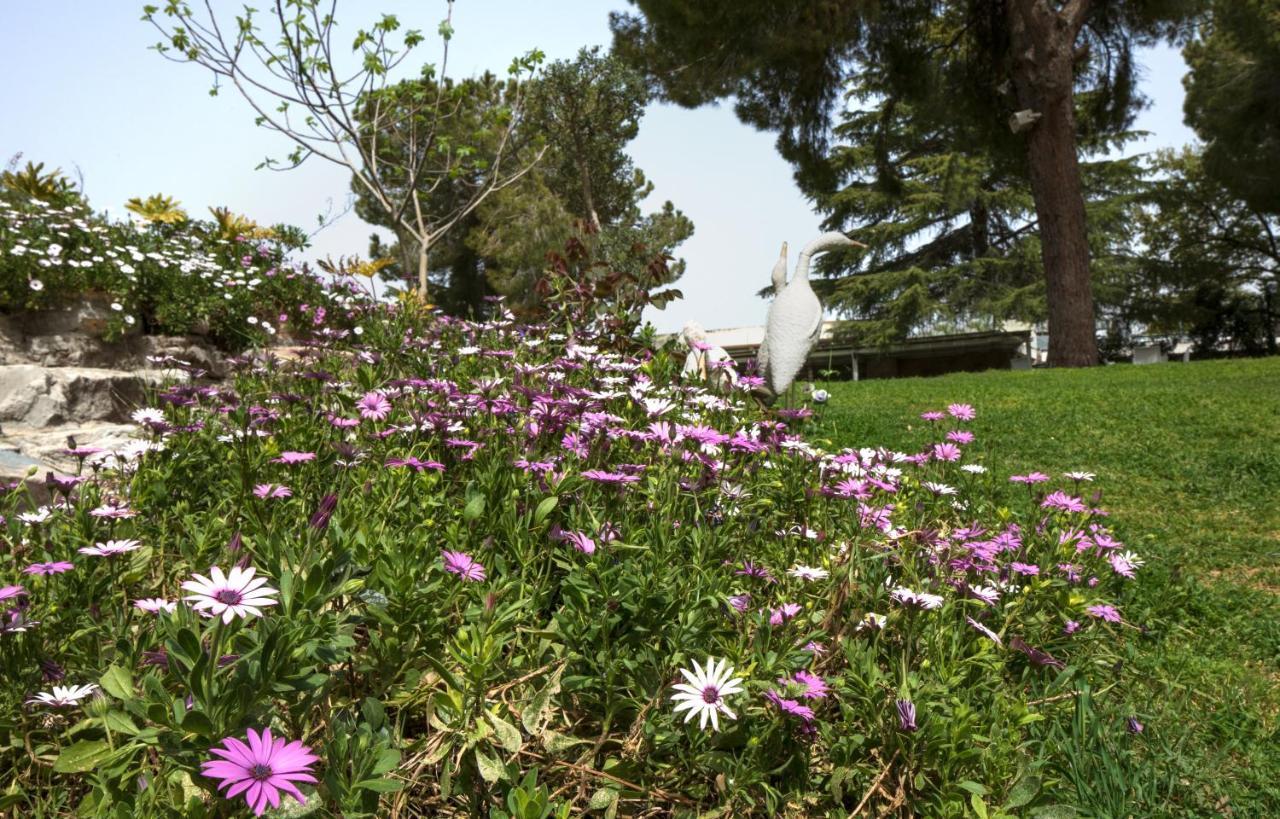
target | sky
[{"x": 83, "y": 92}]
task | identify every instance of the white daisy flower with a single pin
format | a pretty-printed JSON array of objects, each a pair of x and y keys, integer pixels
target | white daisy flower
[
  {"x": 63, "y": 695},
  {"x": 147, "y": 415},
  {"x": 235, "y": 594},
  {"x": 110, "y": 548},
  {"x": 974, "y": 469},
  {"x": 155, "y": 605},
  {"x": 808, "y": 572},
  {"x": 1079, "y": 476},
  {"x": 705, "y": 692}
]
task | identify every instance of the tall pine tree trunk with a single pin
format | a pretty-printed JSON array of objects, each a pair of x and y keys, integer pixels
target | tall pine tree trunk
[{"x": 1044, "y": 44}]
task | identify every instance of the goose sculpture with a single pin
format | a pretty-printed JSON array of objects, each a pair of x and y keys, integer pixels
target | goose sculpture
[
  {"x": 706, "y": 362},
  {"x": 795, "y": 316},
  {"x": 779, "y": 279}
]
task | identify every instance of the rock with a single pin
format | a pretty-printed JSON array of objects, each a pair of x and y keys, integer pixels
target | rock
[
  {"x": 16, "y": 467},
  {"x": 13, "y": 343},
  {"x": 85, "y": 316},
  {"x": 46, "y": 445},
  {"x": 41, "y": 397}
]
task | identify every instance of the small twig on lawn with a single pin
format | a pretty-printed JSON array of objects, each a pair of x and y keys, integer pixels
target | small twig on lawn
[
  {"x": 583, "y": 769},
  {"x": 493, "y": 692},
  {"x": 866, "y": 797}
]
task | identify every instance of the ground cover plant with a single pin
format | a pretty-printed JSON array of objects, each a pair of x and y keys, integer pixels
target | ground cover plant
[
  {"x": 1187, "y": 459},
  {"x": 446, "y": 568}
]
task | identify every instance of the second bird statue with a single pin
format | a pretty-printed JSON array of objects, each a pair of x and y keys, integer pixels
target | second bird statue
[{"x": 795, "y": 316}]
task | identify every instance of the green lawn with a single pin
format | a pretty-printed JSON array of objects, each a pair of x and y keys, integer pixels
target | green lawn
[{"x": 1187, "y": 458}]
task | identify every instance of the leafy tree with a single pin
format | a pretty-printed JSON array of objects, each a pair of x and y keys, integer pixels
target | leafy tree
[
  {"x": 1211, "y": 260},
  {"x": 299, "y": 86},
  {"x": 475, "y": 131},
  {"x": 952, "y": 233},
  {"x": 1233, "y": 97},
  {"x": 1020, "y": 81},
  {"x": 579, "y": 117}
]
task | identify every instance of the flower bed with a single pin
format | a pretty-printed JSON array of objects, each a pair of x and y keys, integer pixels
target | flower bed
[
  {"x": 488, "y": 570},
  {"x": 171, "y": 279}
]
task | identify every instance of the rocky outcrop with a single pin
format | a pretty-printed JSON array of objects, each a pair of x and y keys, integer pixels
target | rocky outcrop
[
  {"x": 44, "y": 396},
  {"x": 59, "y": 379},
  {"x": 72, "y": 337}
]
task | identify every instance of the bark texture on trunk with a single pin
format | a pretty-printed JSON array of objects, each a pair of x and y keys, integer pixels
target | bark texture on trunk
[{"x": 1044, "y": 45}]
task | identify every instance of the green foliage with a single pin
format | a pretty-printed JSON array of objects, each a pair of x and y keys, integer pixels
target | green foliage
[
  {"x": 578, "y": 119},
  {"x": 32, "y": 182},
  {"x": 952, "y": 235},
  {"x": 1209, "y": 264},
  {"x": 1232, "y": 100}
]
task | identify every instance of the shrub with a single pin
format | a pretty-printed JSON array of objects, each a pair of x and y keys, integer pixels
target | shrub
[{"x": 169, "y": 276}]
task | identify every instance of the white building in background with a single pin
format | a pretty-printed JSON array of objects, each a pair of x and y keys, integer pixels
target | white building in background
[{"x": 925, "y": 356}]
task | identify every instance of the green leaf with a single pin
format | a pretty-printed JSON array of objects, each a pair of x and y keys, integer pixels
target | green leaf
[
  {"x": 85, "y": 755},
  {"x": 387, "y": 761},
  {"x": 474, "y": 508},
  {"x": 1054, "y": 812},
  {"x": 973, "y": 787},
  {"x": 979, "y": 807},
  {"x": 490, "y": 768},
  {"x": 196, "y": 722},
  {"x": 544, "y": 509},
  {"x": 120, "y": 722},
  {"x": 555, "y": 742},
  {"x": 445, "y": 674},
  {"x": 603, "y": 799},
  {"x": 118, "y": 682},
  {"x": 380, "y": 785},
  {"x": 508, "y": 735},
  {"x": 535, "y": 713},
  {"x": 1023, "y": 791}
]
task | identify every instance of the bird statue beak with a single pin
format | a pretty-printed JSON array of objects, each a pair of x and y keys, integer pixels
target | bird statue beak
[{"x": 856, "y": 243}]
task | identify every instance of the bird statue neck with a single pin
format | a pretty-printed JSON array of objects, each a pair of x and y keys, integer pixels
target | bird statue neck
[{"x": 823, "y": 243}]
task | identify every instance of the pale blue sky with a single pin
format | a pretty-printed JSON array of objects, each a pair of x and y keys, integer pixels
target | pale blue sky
[{"x": 81, "y": 89}]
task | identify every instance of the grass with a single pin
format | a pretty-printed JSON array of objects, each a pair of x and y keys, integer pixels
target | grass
[{"x": 1187, "y": 458}]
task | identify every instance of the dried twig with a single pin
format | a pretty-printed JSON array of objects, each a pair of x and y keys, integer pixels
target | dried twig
[
  {"x": 657, "y": 793},
  {"x": 875, "y": 785}
]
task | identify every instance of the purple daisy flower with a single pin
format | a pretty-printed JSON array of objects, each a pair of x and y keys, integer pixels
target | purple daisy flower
[
  {"x": 962, "y": 412},
  {"x": 374, "y": 406},
  {"x": 790, "y": 707},
  {"x": 272, "y": 490},
  {"x": 290, "y": 457},
  {"x": 946, "y": 452},
  {"x": 1109, "y": 613},
  {"x": 907, "y": 716},
  {"x": 463, "y": 565},
  {"x": 261, "y": 769},
  {"x": 52, "y": 567}
]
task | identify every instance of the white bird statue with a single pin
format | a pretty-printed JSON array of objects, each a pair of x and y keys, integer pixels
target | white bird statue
[
  {"x": 795, "y": 317},
  {"x": 706, "y": 362},
  {"x": 779, "y": 277}
]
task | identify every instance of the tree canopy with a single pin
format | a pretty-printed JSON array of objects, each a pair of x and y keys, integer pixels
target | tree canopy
[
  {"x": 579, "y": 116},
  {"x": 1233, "y": 97},
  {"x": 1021, "y": 84}
]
